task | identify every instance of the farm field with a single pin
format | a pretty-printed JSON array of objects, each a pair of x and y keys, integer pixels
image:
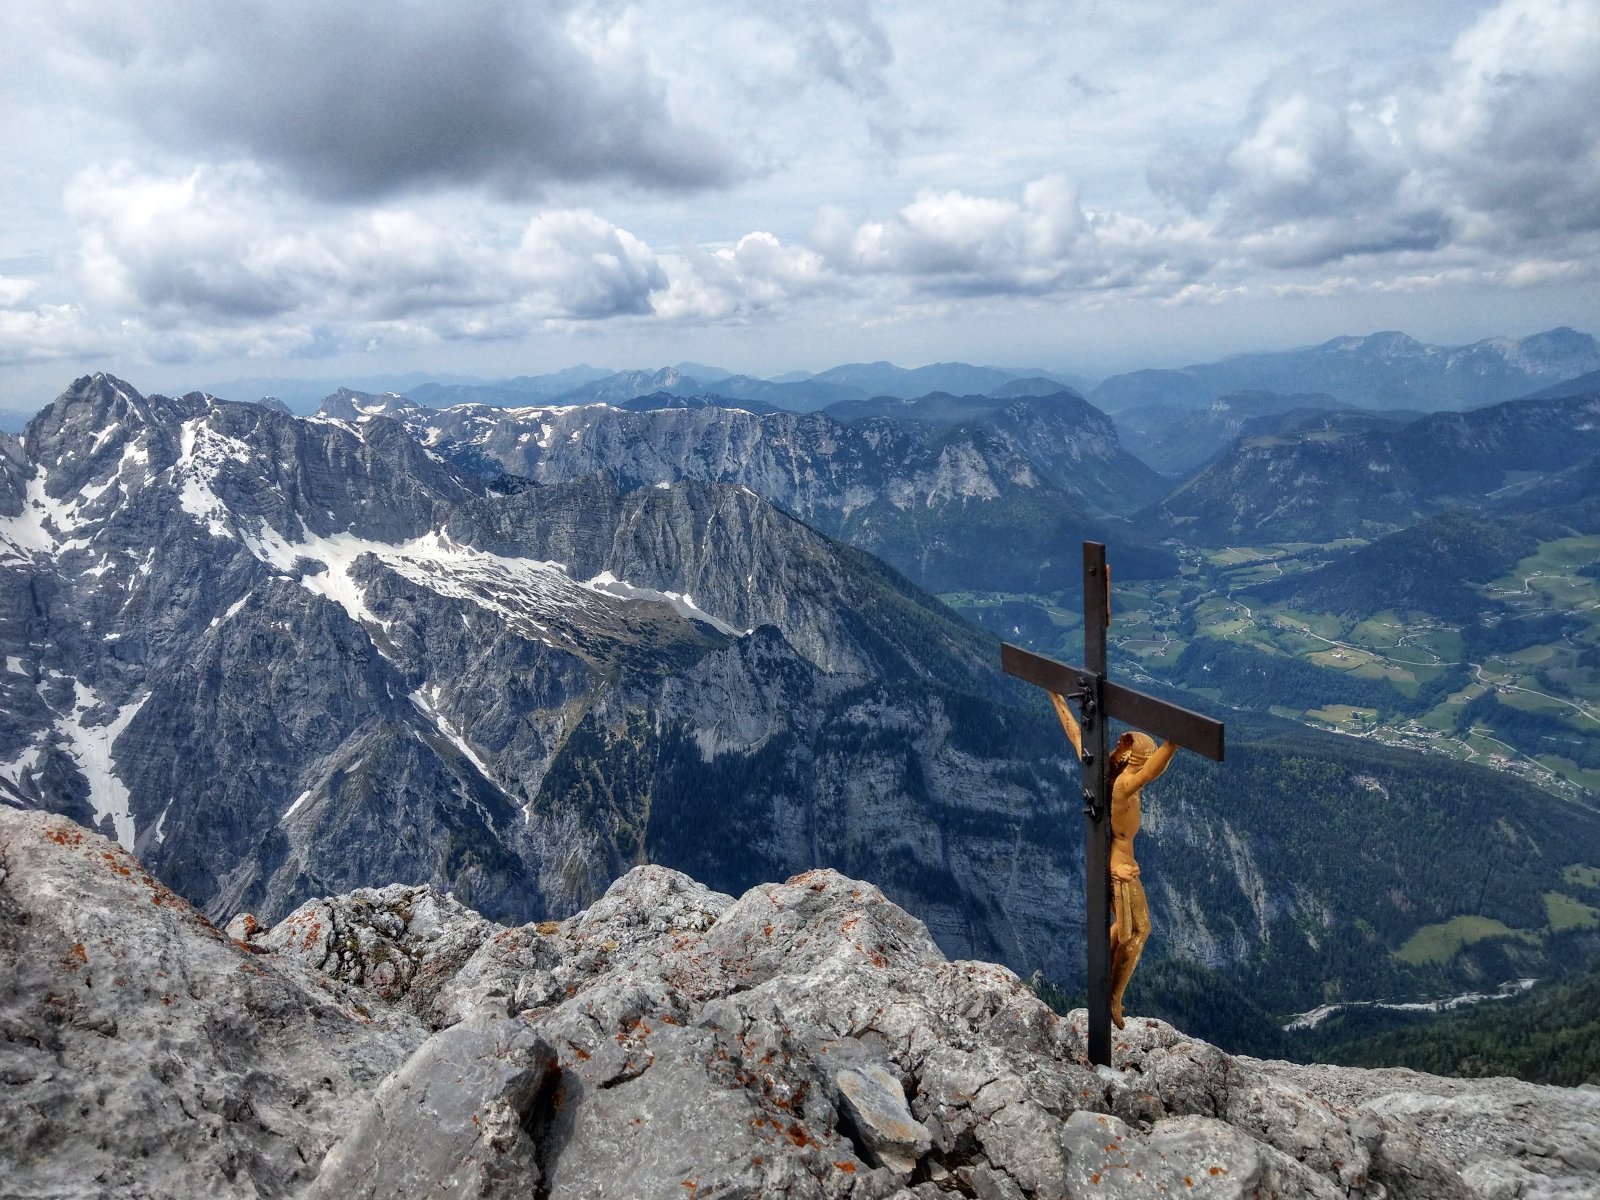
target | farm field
[{"x": 1517, "y": 689}]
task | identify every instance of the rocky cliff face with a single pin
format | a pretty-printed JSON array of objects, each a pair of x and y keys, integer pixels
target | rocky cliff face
[
  {"x": 806, "y": 1039},
  {"x": 282, "y": 657},
  {"x": 940, "y": 503}
]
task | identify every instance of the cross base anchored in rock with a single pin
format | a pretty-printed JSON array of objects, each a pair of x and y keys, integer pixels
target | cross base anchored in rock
[{"x": 1099, "y": 700}]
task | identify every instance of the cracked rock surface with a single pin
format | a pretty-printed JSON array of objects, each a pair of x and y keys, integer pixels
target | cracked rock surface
[{"x": 807, "y": 1039}]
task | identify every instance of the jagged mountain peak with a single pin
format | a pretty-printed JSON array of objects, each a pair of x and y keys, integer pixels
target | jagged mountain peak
[
  {"x": 93, "y": 401},
  {"x": 347, "y": 404}
]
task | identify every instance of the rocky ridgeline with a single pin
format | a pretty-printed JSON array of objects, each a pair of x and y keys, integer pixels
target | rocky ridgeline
[{"x": 806, "y": 1039}]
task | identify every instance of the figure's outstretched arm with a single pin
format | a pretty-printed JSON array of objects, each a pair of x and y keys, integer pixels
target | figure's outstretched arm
[
  {"x": 1155, "y": 764},
  {"x": 1068, "y": 722}
]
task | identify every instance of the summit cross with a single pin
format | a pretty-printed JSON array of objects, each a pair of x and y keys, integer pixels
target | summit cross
[{"x": 1099, "y": 701}]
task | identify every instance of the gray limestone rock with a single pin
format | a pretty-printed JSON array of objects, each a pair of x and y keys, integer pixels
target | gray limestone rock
[
  {"x": 805, "y": 1039},
  {"x": 394, "y": 944},
  {"x": 145, "y": 1053},
  {"x": 1506, "y": 1137},
  {"x": 874, "y": 1103},
  {"x": 462, "y": 1119},
  {"x": 1183, "y": 1156}
]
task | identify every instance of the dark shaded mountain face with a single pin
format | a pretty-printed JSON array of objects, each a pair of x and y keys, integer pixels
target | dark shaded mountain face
[
  {"x": 936, "y": 408},
  {"x": 942, "y": 408},
  {"x": 1582, "y": 385},
  {"x": 1572, "y": 495},
  {"x": 979, "y": 504},
  {"x": 1176, "y": 439},
  {"x": 1031, "y": 385},
  {"x": 278, "y": 656},
  {"x": 1320, "y": 484},
  {"x": 1426, "y": 568},
  {"x": 1382, "y": 370}
]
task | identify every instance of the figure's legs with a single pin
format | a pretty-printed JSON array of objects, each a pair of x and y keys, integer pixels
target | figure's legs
[
  {"x": 1128, "y": 936},
  {"x": 1121, "y": 934}
]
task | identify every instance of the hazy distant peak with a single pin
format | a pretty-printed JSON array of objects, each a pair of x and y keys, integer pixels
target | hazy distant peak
[
  {"x": 1032, "y": 385},
  {"x": 1387, "y": 369}
]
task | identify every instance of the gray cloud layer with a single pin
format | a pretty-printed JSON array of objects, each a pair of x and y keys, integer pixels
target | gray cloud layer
[
  {"x": 361, "y": 101},
  {"x": 334, "y": 176}
]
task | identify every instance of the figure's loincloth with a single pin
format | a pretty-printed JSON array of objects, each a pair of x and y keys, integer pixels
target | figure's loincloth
[{"x": 1128, "y": 903}]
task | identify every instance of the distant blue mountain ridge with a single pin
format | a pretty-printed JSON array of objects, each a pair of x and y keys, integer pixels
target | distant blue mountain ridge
[{"x": 1379, "y": 371}]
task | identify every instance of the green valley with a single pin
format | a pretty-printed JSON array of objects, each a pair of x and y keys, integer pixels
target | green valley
[{"x": 1503, "y": 672}]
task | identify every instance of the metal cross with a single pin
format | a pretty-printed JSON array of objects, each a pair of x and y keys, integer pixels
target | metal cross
[{"x": 1099, "y": 700}]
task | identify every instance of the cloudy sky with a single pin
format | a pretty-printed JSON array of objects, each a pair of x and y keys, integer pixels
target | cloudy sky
[{"x": 201, "y": 192}]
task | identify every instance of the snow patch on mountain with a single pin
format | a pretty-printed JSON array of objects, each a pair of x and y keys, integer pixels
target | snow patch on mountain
[
  {"x": 40, "y": 527},
  {"x": 203, "y": 450},
  {"x": 90, "y": 747},
  {"x": 682, "y": 603},
  {"x": 426, "y": 700}
]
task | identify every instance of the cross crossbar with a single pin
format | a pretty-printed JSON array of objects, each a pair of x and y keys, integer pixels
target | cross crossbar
[{"x": 1167, "y": 721}]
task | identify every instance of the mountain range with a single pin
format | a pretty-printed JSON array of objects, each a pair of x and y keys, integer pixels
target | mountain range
[
  {"x": 1380, "y": 370},
  {"x": 514, "y": 653},
  {"x": 800, "y": 393},
  {"x": 955, "y": 492},
  {"x": 1177, "y": 440},
  {"x": 275, "y": 654},
  {"x": 1318, "y": 480}
]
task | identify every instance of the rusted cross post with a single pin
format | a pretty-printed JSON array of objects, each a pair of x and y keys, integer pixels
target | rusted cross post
[{"x": 1099, "y": 700}]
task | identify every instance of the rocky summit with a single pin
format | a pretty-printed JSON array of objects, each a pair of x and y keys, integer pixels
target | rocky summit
[{"x": 806, "y": 1040}]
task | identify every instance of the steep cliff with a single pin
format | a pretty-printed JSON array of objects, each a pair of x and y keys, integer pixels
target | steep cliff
[{"x": 952, "y": 504}]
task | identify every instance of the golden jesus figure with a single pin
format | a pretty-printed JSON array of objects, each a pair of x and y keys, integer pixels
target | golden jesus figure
[{"x": 1135, "y": 761}]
